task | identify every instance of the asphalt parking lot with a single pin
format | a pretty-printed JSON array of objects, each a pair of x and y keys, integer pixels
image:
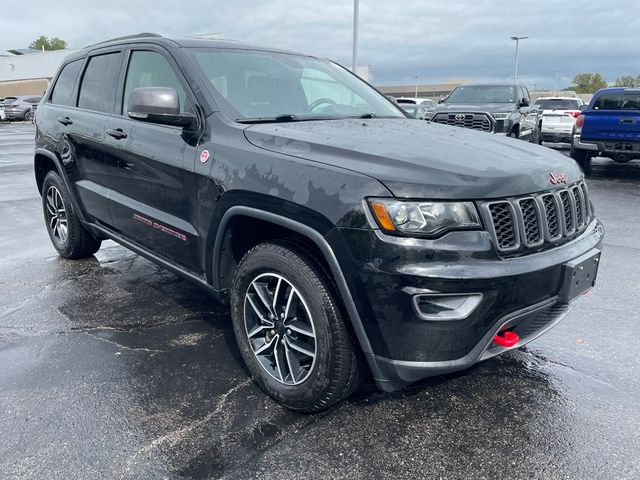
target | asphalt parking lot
[{"x": 115, "y": 368}]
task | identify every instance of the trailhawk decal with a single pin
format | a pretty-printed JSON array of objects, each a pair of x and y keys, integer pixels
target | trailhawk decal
[{"x": 158, "y": 226}]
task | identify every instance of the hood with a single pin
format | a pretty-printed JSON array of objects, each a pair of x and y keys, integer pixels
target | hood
[
  {"x": 418, "y": 159},
  {"x": 475, "y": 107}
]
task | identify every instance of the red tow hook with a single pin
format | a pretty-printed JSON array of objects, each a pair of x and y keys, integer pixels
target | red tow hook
[{"x": 506, "y": 339}]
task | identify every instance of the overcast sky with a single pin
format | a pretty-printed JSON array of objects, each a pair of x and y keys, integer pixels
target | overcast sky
[{"x": 434, "y": 39}]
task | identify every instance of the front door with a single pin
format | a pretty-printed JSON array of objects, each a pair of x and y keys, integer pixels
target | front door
[{"x": 153, "y": 189}]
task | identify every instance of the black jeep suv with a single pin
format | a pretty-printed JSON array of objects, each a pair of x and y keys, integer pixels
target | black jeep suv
[
  {"x": 345, "y": 236},
  {"x": 495, "y": 108}
]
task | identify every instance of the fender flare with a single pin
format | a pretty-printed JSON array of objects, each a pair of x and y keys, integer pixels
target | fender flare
[
  {"x": 328, "y": 254},
  {"x": 62, "y": 172}
]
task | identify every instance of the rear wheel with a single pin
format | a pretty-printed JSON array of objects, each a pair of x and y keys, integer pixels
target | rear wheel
[
  {"x": 582, "y": 157},
  {"x": 27, "y": 115},
  {"x": 289, "y": 328},
  {"x": 67, "y": 234}
]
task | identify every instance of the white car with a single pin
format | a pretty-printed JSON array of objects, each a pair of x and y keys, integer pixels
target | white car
[
  {"x": 428, "y": 105},
  {"x": 559, "y": 115},
  {"x": 3, "y": 116}
]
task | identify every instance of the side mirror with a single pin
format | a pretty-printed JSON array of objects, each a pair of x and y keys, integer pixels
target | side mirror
[
  {"x": 442, "y": 99},
  {"x": 524, "y": 103},
  {"x": 158, "y": 105},
  {"x": 583, "y": 107}
]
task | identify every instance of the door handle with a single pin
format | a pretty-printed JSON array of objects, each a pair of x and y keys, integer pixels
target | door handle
[
  {"x": 117, "y": 133},
  {"x": 631, "y": 121},
  {"x": 65, "y": 120}
]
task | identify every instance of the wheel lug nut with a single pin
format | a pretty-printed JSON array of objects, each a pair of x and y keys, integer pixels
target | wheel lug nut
[
  {"x": 288, "y": 331},
  {"x": 282, "y": 315}
]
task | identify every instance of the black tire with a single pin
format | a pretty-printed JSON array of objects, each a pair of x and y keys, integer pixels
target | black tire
[
  {"x": 334, "y": 372},
  {"x": 76, "y": 242},
  {"x": 582, "y": 157},
  {"x": 27, "y": 115}
]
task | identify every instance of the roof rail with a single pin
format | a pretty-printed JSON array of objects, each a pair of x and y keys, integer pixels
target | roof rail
[{"x": 127, "y": 37}]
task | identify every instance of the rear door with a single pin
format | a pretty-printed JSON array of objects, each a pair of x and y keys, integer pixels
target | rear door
[
  {"x": 153, "y": 197},
  {"x": 95, "y": 104},
  {"x": 613, "y": 116},
  {"x": 75, "y": 126}
]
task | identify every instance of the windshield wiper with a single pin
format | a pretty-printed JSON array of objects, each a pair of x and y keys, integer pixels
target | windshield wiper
[
  {"x": 287, "y": 117},
  {"x": 368, "y": 115}
]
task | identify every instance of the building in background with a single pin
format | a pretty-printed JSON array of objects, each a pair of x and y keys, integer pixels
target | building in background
[
  {"x": 28, "y": 73},
  {"x": 431, "y": 91}
]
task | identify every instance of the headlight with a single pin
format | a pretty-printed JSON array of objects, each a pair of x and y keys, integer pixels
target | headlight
[
  {"x": 500, "y": 116},
  {"x": 426, "y": 218}
]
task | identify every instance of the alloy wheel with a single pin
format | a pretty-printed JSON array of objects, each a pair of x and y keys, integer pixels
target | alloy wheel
[
  {"x": 280, "y": 328},
  {"x": 56, "y": 215}
]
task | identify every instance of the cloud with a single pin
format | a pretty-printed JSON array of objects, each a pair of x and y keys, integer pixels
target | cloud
[{"x": 399, "y": 40}]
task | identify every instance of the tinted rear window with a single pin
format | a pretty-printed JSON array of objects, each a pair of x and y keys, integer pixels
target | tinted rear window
[
  {"x": 558, "y": 104},
  {"x": 97, "y": 90},
  {"x": 618, "y": 101},
  {"x": 63, "y": 88}
]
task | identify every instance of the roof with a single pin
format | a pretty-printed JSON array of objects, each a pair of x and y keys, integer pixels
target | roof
[
  {"x": 181, "y": 42},
  {"x": 493, "y": 84},
  {"x": 558, "y": 98}
]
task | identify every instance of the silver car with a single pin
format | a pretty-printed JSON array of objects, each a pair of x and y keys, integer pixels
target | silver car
[{"x": 20, "y": 108}]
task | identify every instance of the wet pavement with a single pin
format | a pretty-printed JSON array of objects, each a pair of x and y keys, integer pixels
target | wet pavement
[{"x": 115, "y": 368}]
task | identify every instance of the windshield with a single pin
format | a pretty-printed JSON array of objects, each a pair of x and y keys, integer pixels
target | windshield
[
  {"x": 483, "y": 94},
  {"x": 618, "y": 101},
  {"x": 410, "y": 109},
  {"x": 250, "y": 84},
  {"x": 558, "y": 104}
]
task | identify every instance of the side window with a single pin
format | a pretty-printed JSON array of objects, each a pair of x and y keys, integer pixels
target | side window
[
  {"x": 525, "y": 92},
  {"x": 63, "y": 88},
  {"x": 150, "y": 69},
  {"x": 99, "y": 82}
]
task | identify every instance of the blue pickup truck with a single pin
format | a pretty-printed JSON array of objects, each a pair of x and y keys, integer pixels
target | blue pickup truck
[{"x": 608, "y": 127}]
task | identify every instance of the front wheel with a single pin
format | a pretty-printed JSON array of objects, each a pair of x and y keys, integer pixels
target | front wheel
[
  {"x": 68, "y": 235},
  {"x": 289, "y": 328}
]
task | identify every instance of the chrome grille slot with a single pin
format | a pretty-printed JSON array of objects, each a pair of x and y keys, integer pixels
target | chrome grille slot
[
  {"x": 504, "y": 225},
  {"x": 577, "y": 198},
  {"x": 554, "y": 231},
  {"x": 567, "y": 212},
  {"x": 531, "y": 227}
]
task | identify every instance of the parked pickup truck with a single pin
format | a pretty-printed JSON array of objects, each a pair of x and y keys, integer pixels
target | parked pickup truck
[
  {"x": 608, "y": 127},
  {"x": 496, "y": 108}
]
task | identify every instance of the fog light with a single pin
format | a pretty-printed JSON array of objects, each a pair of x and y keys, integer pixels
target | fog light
[{"x": 446, "y": 306}]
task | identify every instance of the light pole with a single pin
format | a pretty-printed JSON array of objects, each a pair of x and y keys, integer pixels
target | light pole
[
  {"x": 354, "y": 57},
  {"x": 515, "y": 67},
  {"x": 416, "y": 77}
]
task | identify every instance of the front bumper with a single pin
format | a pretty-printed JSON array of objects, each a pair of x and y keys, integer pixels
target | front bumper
[{"x": 521, "y": 292}]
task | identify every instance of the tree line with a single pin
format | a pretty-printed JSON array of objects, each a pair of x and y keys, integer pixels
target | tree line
[{"x": 589, "y": 82}]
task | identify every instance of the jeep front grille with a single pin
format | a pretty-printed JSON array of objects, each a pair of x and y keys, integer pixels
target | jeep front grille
[
  {"x": 522, "y": 225},
  {"x": 475, "y": 121}
]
